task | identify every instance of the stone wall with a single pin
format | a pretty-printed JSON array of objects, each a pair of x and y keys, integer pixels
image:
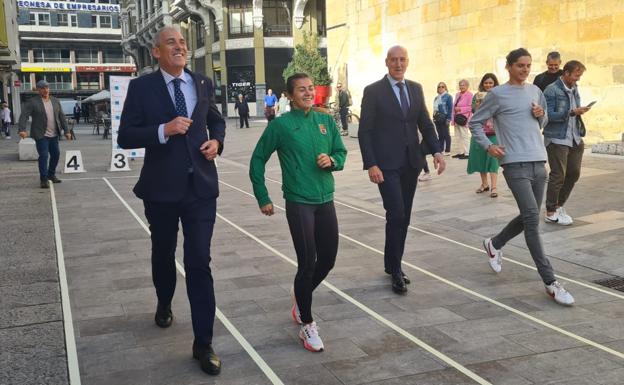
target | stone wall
[{"x": 453, "y": 39}]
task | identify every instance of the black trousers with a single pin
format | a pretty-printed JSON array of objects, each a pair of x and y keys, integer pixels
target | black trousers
[
  {"x": 198, "y": 217},
  {"x": 244, "y": 118},
  {"x": 314, "y": 230},
  {"x": 397, "y": 192},
  {"x": 444, "y": 135},
  {"x": 344, "y": 112}
]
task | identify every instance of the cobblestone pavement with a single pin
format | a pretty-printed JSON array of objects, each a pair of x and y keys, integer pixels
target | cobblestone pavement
[{"x": 458, "y": 324}]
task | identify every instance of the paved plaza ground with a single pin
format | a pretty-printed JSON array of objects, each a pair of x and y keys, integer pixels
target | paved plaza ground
[{"x": 459, "y": 323}]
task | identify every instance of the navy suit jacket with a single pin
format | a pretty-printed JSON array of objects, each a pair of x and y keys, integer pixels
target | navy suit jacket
[
  {"x": 387, "y": 138},
  {"x": 164, "y": 177}
]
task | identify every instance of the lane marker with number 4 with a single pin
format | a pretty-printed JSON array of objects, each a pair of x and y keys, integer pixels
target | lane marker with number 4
[{"x": 73, "y": 162}]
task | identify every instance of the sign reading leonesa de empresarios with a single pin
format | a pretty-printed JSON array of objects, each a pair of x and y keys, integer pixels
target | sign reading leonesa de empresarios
[{"x": 68, "y": 6}]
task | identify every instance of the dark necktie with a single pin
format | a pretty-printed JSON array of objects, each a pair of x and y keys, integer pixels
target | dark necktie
[
  {"x": 180, "y": 102},
  {"x": 403, "y": 98}
]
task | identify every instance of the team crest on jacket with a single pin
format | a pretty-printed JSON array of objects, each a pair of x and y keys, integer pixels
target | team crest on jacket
[{"x": 323, "y": 129}]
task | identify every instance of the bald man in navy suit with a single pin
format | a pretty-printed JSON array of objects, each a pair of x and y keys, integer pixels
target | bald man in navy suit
[{"x": 393, "y": 111}]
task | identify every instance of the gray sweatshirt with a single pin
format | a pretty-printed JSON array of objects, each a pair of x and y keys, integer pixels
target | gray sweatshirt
[{"x": 516, "y": 128}]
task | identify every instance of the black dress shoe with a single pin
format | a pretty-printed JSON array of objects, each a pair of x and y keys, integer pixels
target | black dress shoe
[
  {"x": 456, "y": 156},
  {"x": 54, "y": 179},
  {"x": 398, "y": 284},
  {"x": 208, "y": 359},
  {"x": 44, "y": 184},
  {"x": 405, "y": 277},
  {"x": 164, "y": 316}
]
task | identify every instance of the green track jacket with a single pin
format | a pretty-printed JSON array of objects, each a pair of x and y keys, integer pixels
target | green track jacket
[{"x": 299, "y": 139}]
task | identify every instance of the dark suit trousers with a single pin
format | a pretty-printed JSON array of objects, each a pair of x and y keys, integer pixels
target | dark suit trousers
[
  {"x": 197, "y": 216},
  {"x": 397, "y": 192}
]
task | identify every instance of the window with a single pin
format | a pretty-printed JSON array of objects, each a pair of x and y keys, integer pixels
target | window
[
  {"x": 112, "y": 55},
  {"x": 241, "y": 22},
  {"x": 277, "y": 17},
  {"x": 321, "y": 23},
  {"x": 200, "y": 34},
  {"x": 67, "y": 19},
  {"x": 88, "y": 80},
  {"x": 101, "y": 21},
  {"x": 86, "y": 55},
  {"x": 39, "y": 18},
  {"x": 63, "y": 19},
  {"x": 25, "y": 79},
  {"x": 105, "y": 21},
  {"x": 57, "y": 80},
  {"x": 24, "y": 54},
  {"x": 51, "y": 55},
  {"x": 216, "y": 35}
]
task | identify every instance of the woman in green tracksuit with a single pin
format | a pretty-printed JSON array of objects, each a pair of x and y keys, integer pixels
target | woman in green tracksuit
[{"x": 309, "y": 148}]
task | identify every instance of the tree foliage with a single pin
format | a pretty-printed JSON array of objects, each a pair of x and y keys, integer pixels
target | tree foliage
[{"x": 307, "y": 59}]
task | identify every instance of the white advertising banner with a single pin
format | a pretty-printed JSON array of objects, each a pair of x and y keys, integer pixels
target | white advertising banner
[{"x": 118, "y": 91}]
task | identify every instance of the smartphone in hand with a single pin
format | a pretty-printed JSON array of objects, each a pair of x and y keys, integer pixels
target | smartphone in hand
[{"x": 590, "y": 104}]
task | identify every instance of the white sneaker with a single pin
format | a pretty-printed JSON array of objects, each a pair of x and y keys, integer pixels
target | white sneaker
[
  {"x": 447, "y": 154},
  {"x": 425, "y": 176},
  {"x": 559, "y": 294},
  {"x": 495, "y": 257},
  {"x": 296, "y": 314},
  {"x": 310, "y": 337},
  {"x": 8, "y": 137},
  {"x": 564, "y": 214},
  {"x": 559, "y": 217}
]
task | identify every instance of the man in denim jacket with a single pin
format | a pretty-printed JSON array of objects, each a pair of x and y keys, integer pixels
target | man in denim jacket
[{"x": 563, "y": 140}]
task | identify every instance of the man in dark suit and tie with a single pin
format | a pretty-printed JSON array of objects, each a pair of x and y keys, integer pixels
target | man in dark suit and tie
[
  {"x": 168, "y": 112},
  {"x": 393, "y": 111}
]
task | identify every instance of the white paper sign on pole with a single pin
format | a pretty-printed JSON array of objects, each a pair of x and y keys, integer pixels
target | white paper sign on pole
[
  {"x": 119, "y": 161},
  {"x": 118, "y": 91},
  {"x": 73, "y": 162}
]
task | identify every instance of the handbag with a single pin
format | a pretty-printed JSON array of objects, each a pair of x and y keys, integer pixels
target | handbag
[
  {"x": 460, "y": 119},
  {"x": 439, "y": 117}
]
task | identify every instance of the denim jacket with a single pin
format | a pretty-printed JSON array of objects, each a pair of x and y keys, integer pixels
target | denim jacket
[
  {"x": 558, "y": 106},
  {"x": 445, "y": 105}
]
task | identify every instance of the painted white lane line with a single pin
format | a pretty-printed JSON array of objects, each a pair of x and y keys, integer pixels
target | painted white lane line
[
  {"x": 384, "y": 321},
  {"x": 266, "y": 369},
  {"x": 474, "y": 293},
  {"x": 561, "y": 277},
  {"x": 68, "y": 322}
]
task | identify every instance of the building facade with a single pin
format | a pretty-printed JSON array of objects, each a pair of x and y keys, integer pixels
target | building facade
[
  {"x": 74, "y": 45},
  {"x": 243, "y": 45},
  {"x": 9, "y": 55},
  {"x": 449, "y": 40}
]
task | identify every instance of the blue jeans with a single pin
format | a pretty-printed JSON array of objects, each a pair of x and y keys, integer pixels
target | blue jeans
[
  {"x": 527, "y": 181},
  {"x": 48, "y": 146}
]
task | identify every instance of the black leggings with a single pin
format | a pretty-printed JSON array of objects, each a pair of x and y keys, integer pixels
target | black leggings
[{"x": 314, "y": 230}]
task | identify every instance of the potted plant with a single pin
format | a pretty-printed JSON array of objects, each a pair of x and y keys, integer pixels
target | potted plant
[{"x": 307, "y": 59}]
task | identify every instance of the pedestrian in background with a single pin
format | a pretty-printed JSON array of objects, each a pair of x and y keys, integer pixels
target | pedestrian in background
[
  {"x": 283, "y": 104},
  {"x": 270, "y": 105},
  {"x": 48, "y": 122},
  {"x": 77, "y": 111},
  {"x": 553, "y": 62},
  {"x": 563, "y": 137},
  {"x": 344, "y": 102},
  {"x": 243, "y": 110},
  {"x": 462, "y": 111},
  {"x": 5, "y": 119},
  {"x": 310, "y": 149},
  {"x": 442, "y": 112},
  {"x": 479, "y": 160}
]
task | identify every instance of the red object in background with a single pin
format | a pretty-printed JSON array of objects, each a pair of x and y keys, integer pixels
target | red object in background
[
  {"x": 17, "y": 83},
  {"x": 322, "y": 94}
]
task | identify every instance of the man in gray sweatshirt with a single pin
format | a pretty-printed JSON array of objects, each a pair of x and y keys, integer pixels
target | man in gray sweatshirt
[{"x": 518, "y": 110}]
